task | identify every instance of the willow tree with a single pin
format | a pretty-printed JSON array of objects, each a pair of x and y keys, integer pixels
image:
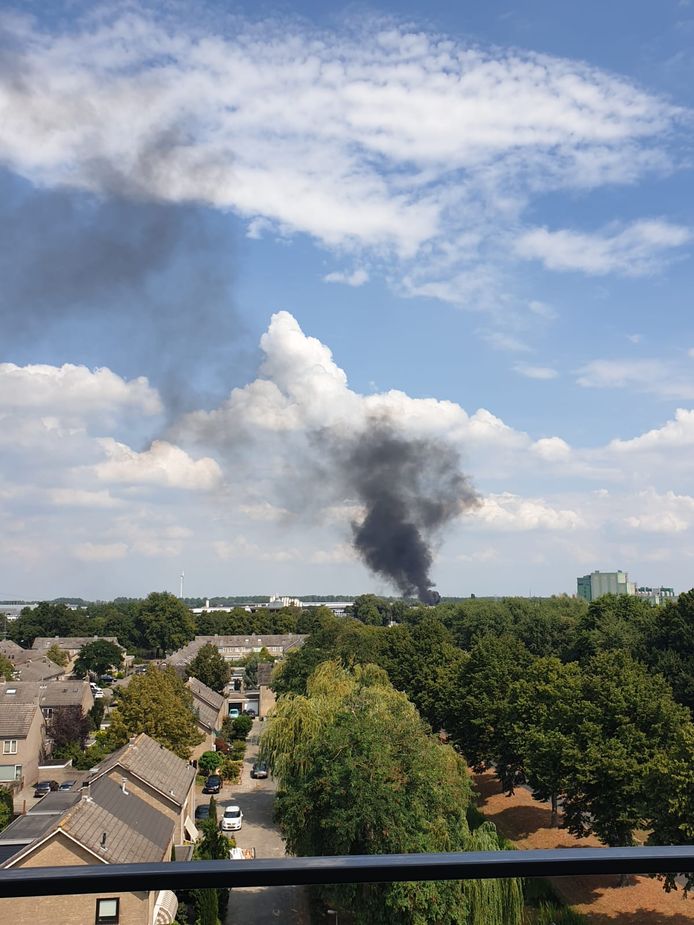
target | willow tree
[{"x": 359, "y": 773}]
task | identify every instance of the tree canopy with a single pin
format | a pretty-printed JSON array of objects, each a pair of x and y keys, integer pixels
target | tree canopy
[
  {"x": 98, "y": 657},
  {"x": 359, "y": 774},
  {"x": 159, "y": 704},
  {"x": 210, "y": 667},
  {"x": 163, "y": 622}
]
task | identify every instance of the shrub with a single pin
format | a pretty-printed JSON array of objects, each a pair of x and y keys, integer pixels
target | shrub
[
  {"x": 208, "y": 762},
  {"x": 231, "y": 770},
  {"x": 221, "y": 745}
]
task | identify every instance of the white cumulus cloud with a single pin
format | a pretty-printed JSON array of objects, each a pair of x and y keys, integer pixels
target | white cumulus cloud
[{"x": 162, "y": 464}]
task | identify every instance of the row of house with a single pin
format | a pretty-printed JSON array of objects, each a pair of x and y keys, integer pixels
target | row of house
[
  {"x": 234, "y": 649},
  {"x": 137, "y": 806},
  {"x": 25, "y": 709}
]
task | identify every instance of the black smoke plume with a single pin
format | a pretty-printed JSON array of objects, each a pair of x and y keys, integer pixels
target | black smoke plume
[{"x": 411, "y": 488}]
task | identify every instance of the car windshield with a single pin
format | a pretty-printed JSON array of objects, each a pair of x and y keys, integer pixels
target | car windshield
[{"x": 232, "y": 812}]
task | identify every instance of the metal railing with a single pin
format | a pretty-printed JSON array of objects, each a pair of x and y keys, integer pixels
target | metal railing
[{"x": 373, "y": 868}]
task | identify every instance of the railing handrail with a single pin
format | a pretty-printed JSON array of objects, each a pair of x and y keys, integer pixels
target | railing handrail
[{"x": 372, "y": 868}]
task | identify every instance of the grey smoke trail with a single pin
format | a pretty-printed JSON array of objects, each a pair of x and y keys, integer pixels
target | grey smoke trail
[
  {"x": 135, "y": 285},
  {"x": 411, "y": 489}
]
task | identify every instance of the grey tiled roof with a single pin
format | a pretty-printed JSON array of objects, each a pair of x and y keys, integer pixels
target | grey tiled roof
[
  {"x": 287, "y": 641},
  {"x": 207, "y": 715},
  {"x": 15, "y": 653},
  {"x": 135, "y": 831},
  {"x": 201, "y": 691},
  {"x": 37, "y": 669},
  {"x": 50, "y": 694},
  {"x": 68, "y": 642},
  {"x": 151, "y": 762},
  {"x": 16, "y": 719}
]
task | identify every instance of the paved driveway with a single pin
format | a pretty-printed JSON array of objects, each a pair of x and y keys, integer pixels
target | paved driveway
[{"x": 260, "y": 905}]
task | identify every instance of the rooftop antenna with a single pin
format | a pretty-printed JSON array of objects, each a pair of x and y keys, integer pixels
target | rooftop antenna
[{"x": 182, "y": 578}]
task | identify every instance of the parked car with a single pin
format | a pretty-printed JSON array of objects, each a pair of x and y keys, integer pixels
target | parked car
[
  {"x": 259, "y": 769},
  {"x": 202, "y": 812},
  {"x": 232, "y": 819},
  {"x": 213, "y": 784},
  {"x": 97, "y": 692},
  {"x": 45, "y": 786},
  {"x": 249, "y": 711},
  {"x": 107, "y": 679},
  {"x": 233, "y": 712},
  {"x": 67, "y": 785}
]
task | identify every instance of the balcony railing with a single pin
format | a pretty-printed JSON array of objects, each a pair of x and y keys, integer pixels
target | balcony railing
[{"x": 373, "y": 868}]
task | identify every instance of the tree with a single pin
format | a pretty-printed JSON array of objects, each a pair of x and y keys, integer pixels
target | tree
[
  {"x": 209, "y": 762},
  {"x": 6, "y": 807},
  {"x": 159, "y": 704},
  {"x": 7, "y": 669},
  {"x": 538, "y": 726},
  {"x": 210, "y": 667},
  {"x": 207, "y": 905},
  {"x": 359, "y": 774},
  {"x": 48, "y": 619},
  {"x": 68, "y": 727},
  {"x": 627, "y": 720},
  {"x": 671, "y": 796},
  {"x": 251, "y": 662},
  {"x": 476, "y": 711},
  {"x": 164, "y": 623},
  {"x": 98, "y": 657},
  {"x": 58, "y": 656},
  {"x": 669, "y": 646},
  {"x": 96, "y": 714}
]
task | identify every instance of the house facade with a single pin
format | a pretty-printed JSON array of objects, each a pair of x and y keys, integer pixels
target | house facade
[
  {"x": 105, "y": 823},
  {"x": 22, "y": 736}
]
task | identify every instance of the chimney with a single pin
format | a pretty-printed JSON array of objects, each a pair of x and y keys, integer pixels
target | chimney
[
  {"x": 103, "y": 841},
  {"x": 87, "y": 791},
  {"x": 123, "y": 782}
]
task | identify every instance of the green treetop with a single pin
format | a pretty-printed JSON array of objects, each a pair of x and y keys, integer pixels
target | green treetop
[
  {"x": 210, "y": 667},
  {"x": 164, "y": 622},
  {"x": 98, "y": 657},
  {"x": 159, "y": 704},
  {"x": 58, "y": 656}
]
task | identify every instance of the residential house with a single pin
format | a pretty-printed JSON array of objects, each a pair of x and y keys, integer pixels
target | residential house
[
  {"x": 234, "y": 648},
  {"x": 51, "y": 695},
  {"x": 105, "y": 823},
  {"x": 72, "y": 645},
  {"x": 158, "y": 777},
  {"x": 22, "y": 734},
  {"x": 29, "y": 665},
  {"x": 210, "y": 710}
]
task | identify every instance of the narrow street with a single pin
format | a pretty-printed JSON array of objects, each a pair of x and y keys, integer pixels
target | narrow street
[{"x": 260, "y": 905}]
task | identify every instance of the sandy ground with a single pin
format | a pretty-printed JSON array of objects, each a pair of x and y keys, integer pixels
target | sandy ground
[{"x": 527, "y": 823}]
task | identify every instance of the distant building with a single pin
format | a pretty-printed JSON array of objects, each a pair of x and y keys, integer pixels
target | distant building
[
  {"x": 591, "y": 587},
  {"x": 656, "y": 596}
]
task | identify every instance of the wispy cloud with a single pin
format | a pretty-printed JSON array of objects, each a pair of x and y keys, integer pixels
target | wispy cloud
[
  {"x": 655, "y": 376},
  {"x": 357, "y": 278},
  {"x": 536, "y": 372},
  {"x": 637, "y": 250},
  {"x": 417, "y": 148}
]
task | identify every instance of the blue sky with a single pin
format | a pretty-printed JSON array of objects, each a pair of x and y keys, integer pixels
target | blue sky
[{"x": 474, "y": 218}]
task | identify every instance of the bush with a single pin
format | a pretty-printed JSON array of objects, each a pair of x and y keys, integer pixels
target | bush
[
  {"x": 231, "y": 770},
  {"x": 208, "y": 762},
  {"x": 221, "y": 745},
  {"x": 237, "y": 750}
]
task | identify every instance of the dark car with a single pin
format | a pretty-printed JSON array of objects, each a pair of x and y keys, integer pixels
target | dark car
[
  {"x": 250, "y": 712},
  {"x": 107, "y": 679},
  {"x": 202, "y": 812},
  {"x": 259, "y": 769},
  {"x": 67, "y": 785},
  {"x": 45, "y": 786},
  {"x": 213, "y": 784}
]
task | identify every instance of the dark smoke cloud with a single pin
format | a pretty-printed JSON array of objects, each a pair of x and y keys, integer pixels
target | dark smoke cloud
[
  {"x": 411, "y": 489},
  {"x": 138, "y": 286}
]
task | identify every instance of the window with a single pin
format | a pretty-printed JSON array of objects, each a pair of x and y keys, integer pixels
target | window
[
  {"x": 9, "y": 747},
  {"x": 107, "y": 911},
  {"x": 18, "y": 772},
  {"x": 48, "y": 712}
]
